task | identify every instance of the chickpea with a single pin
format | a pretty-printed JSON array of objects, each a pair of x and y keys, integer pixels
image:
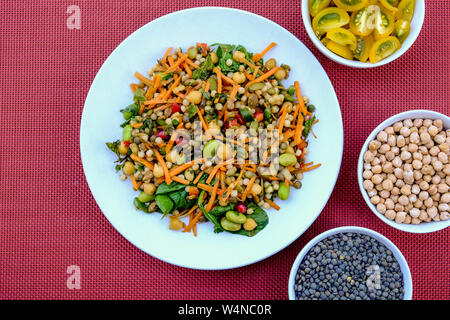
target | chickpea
[
  {"x": 445, "y": 198},
  {"x": 239, "y": 56},
  {"x": 444, "y": 216},
  {"x": 437, "y": 165},
  {"x": 368, "y": 185},
  {"x": 256, "y": 189},
  {"x": 427, "y": 123},
  {"x": 122, "y": 148},
  {"x": 401, "y": 142},
  {"x": 397, "y": 126},
  {"x": 400, "y": 217},
  {"x": 414, "y": 212},
  {"x": 387, "y": 185},
  {"x": 239, "y": 77},
  {"x": 377, "y": 179},
  {"x": 175, "y": 224},
  {"x": 425, "y": 137},
  {"x": 194, "y": 97},
  {"x": 280, "y": 74},
  {"x": 405, "y": 132},
  {"x": 403, "y": 200},
  {"x": 368, "y": 156},
  {"x": 407, "y": 219},
  {"x": 214, "y": 57},
  {"x": 408, "y": 123},
  {"x": 374, "y": 145},
  {"x": 128, "y": 168},
  {"x": 249, "y": 224},
  {"x": 442, "y": 188},
  {"x": 395, "y": 191},
  {"x": 367, "y": 174},
  {"x": 397, "y": 162},
  {"x": 381, "y": 208},
  {"x": 384, "y": 148},
  {"x": 382, "y": 136},
  {"x": 376, "y": 169},
  {"x": 158, "y": 171},
  {"x": 390, "y": 214},
  {"x": 149, "y": 188},
  {"x": 415, "y": 221},
  {"x": 375, "y": 200},
  {"x": 414, "y": 138},
  {"x": 432, "y": 212},
  {"x": 418, "y": 123}
]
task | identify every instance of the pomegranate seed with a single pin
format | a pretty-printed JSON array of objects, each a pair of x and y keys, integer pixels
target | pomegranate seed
[
  {"x": 126, "y": 143},
  {"x": 176, "y": 108},
  {"x": 162, "y": 135},
  {"x": 242, "y": 208}
]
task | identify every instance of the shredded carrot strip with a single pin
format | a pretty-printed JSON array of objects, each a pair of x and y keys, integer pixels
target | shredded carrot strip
[
  {"x": 194, "y": 221},
  {"x": 173, "y": 138},
  {"x": 272, "y": 204},
  {"x": 197, "y": 179},
  {"x": 193, "y": 191},
  {"x": 207, "y": 86},
  {"x": 133, "y": 87},
  {"x": 179, "y": 169},
  {"x": 164, "y": 59},
  {"x": 234, "y": 184},
  {"x": 222, "y": 179},
  {"x": 249, "y": 187},
  {"x": 205, "y": 127},
  {"x": 180, "y": 180},
  {"x": 192, "y": 63},
  {"x": 158, "y": 101},
  {"x": 144, "y": 80},
  {"x": 171, "y": 62},
  {"x": 300, "y": 98},
  {"x": 188, "y": 70},
  {"x": 234, "y": 92},
  {"x": 205, "y": 187},
  {"x": 281, "y": 124},
  {"x": 137, "y": 125},
  {"x": 164, "y": 165},
  {"x": 213, "y": 197},
  {"x": 219, "y": 80},
  {"x": 263, "y": 77},
  {"x": 298, "y": 129},
  {"x": 143, "y": 161},
  {"x": 258, "y": 56},
  {"x": 136, "y": 185},
  {"x": 175, "y": 66},
  {"x": 174, "y": 84},
  {"x": 312, "y": 167}
]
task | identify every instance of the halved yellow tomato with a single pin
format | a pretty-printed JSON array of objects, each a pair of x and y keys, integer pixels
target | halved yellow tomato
[
  {"x": 350, "y": 5},
  {"x": 330, "y": 18},
  {"x": 361, "y": 21},
  {"x": 406, "y": 10},
  {"x": 383, "y": 48},
  {"x": 325, "y": 41},
  {"x": 384, "y": 24},
  {"x": 343, "y": 37},
  {"x": 363, "y": 46},
  {"x": 340, "y": 50},
  {"x": 390, "y": 4},
  {"x": 315, "y": 6},
  {"x": 402, "y": 28}
]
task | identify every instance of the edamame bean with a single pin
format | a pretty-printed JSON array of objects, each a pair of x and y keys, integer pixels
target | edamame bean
[
  {"x": 192, "y": 53},
  {"x": 236, "y": 217},
  {"x": 127, "y": 132},
  {"x": 145, "y": 197},
  {"x": 288, "y": 159},
  {"x": 256, "y": 86},
  {"x": 283, "y": 191},
  {"x": 229, "y": 226}
]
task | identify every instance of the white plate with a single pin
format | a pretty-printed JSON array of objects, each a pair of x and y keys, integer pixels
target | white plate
[{"x": 110, "y": 92}]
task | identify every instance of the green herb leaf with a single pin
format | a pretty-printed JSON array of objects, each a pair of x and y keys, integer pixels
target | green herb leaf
[
  {"x": 164, "y": 203},
  {"x": 140, "y": 205},
  {"x": 308, "y": 125},
  {"x": 205, "y": 69}
]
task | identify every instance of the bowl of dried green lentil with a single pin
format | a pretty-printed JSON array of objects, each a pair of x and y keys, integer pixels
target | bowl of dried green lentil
[
  {"x": 350, "y": 263},
  {"x": 404, "y": 171}
]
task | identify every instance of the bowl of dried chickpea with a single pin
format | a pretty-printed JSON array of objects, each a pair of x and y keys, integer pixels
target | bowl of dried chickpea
[{"x": 404, "y": 171}]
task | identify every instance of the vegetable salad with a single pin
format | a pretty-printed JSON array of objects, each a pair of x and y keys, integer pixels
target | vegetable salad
[{"x": 195, "y": 139}]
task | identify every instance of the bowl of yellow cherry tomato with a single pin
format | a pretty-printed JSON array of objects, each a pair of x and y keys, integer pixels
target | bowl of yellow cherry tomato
[{"x": 363, "y": 33}]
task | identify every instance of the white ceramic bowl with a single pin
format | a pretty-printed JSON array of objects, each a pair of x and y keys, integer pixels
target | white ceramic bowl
[
  {"x": 414, "y": 114},
  {"x": 407, "y": 280},
  {"x": 416, "y": 26}
]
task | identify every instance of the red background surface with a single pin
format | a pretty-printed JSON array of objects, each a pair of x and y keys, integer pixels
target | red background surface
[{"x": 49, "y": 219}]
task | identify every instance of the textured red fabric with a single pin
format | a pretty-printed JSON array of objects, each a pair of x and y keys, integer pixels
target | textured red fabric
[{"x": 49, "y": 220}]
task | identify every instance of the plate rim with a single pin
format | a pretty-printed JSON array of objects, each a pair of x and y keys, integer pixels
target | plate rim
[{"x": 340, "y": 130}]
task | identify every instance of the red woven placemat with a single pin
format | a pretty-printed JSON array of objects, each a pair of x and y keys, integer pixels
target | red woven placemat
[{"x": 49, "y": 220}]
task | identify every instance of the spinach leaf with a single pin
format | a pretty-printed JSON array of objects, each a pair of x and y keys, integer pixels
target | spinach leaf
[
  {"x": 225, "y": 52},
  {"x": 308, "y": 125},
  {"x": 165, "y": 204},
  {"x": 164, "y": 188},
  {"x": 204, "y": 70},
  {"x": 218, "y": 211},
  {"x": 179, "y": 198},
  {"x": 130, "y": 111},
  {"x": 139, "y": 96},
  {"x": 261, "y": 219},
  {"x": 192, "y": 111},
  {"x": 140, "y": 205},
  {"x": 215, "y": 220}
]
